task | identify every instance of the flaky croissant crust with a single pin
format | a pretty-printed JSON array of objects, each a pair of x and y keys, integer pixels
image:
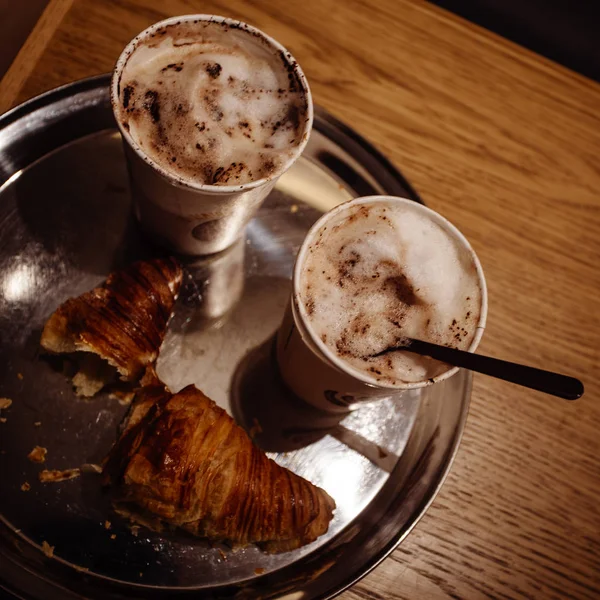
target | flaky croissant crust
[
  {"x": 123, "y": 321},
  {"x": 184, "y": 460}
]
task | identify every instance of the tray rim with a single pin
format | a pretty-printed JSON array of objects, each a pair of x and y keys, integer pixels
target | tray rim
[{"x": 89, "y": 84}]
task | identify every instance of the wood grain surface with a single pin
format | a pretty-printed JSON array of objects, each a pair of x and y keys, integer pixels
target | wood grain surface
[
  {"x": 506, "y": 145},
  {"x": 26, "y": 60}
]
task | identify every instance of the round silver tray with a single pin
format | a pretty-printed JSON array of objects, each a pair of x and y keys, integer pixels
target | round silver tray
[{"x": 65, "y": 222}]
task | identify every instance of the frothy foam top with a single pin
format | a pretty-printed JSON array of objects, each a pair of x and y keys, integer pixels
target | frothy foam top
[
  {"x": 212, "y": 102},
  {"x": 382, "y": 272}
]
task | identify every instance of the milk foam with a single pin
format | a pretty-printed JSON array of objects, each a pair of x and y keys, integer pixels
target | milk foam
[
  {"x": 381, "y": 272},
  {"x": 213, "y": 103}
]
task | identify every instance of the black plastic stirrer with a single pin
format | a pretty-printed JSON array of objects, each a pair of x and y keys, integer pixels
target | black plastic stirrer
[{"x": 562, "y": 386}]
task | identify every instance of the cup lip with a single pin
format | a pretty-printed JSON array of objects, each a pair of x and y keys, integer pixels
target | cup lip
[
  {"x": 173, "y": 177},
  {"x": 305, "y": 329}
]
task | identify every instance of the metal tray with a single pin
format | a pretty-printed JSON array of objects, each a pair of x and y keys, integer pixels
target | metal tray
[{"x": 65, "y": 222}]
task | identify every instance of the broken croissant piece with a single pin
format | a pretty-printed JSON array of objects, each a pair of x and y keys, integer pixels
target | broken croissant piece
[
  {"x": 184, "y": 460},
  {"x": 123, "y": 322}
]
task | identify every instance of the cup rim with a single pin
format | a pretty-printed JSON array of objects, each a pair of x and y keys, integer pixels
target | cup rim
[
  {"x": 305, "y": 329},
  {"x": 173, "y": 177}
]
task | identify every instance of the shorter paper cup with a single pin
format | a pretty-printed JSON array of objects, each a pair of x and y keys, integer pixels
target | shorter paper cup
[
  {"x": 307, "y": 365},
  {"x": 187, "y": 217}
]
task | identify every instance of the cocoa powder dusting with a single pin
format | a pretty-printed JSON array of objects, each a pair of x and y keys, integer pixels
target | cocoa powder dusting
[
  {"x": 403, "y": 289},
  {"x": 177, "y": 139},
  {"x": 151, "y": 104},
  {"x": 214, "y": 70},
  {"x": 175, "y": 66},
  {"x": 127, "y": 93}
]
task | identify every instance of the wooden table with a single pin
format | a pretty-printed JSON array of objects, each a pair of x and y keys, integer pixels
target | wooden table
[{"x": 505, "y": 144}]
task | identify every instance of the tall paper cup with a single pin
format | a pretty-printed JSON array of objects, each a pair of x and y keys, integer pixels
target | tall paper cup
[{"x": 185, "y": 216}]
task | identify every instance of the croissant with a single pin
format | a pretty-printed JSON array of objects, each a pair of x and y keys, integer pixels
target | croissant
[
  {"x": 123, "y": 321},
  {"x": 184, "y": 460}
]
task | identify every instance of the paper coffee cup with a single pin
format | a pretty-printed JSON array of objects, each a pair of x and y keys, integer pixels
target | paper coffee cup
[
  {"x": 308, "y": 366},
  {"x": 186, "y": 216}
]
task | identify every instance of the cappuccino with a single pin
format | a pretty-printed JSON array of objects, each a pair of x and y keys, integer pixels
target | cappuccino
[
  {"x": 380, "y": 272},
  {"x": 213, "y": 102}
]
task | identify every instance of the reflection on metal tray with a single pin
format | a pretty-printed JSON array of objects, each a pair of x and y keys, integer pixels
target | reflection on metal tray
[{"x": 65, "y": 222}]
